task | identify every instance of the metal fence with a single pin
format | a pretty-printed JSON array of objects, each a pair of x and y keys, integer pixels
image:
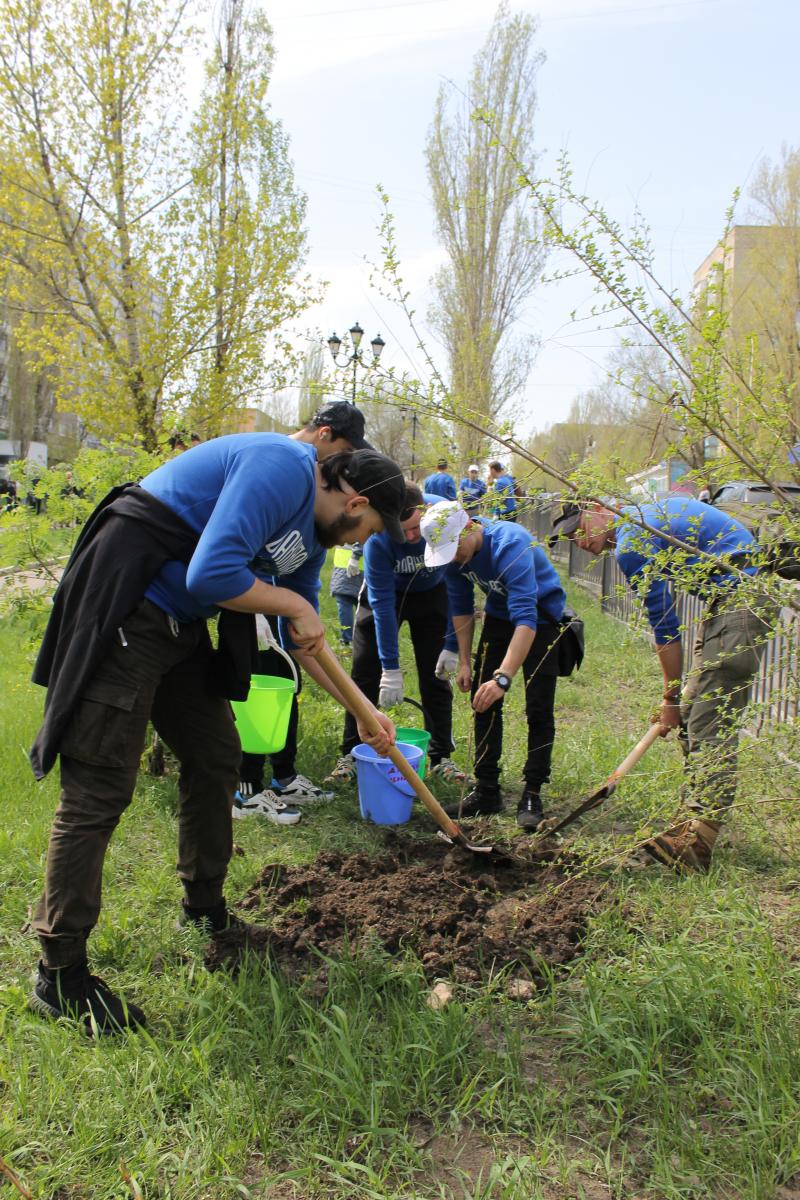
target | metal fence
[{"x": 774, "y": 695}]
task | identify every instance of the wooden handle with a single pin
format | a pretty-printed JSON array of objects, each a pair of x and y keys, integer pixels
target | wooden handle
[
  {"x": 641, "y": 747},
  {"x": 361, "y": 709}
]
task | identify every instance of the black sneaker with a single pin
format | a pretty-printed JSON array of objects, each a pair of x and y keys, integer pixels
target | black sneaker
[
  {"x": 217, "y": 918},
  {"x": 72, "y": 993},
  {"x": 529, "y": 810},
  {"x": 480, "y": 802}
]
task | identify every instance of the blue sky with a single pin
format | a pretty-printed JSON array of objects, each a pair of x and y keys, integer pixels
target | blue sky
[{"x": 668, "y": 106}]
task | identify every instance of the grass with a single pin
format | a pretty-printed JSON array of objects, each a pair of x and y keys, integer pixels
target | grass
[{"x": 664, "y": 1063}]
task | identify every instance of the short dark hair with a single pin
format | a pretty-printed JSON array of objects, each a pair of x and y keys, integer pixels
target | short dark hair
[
  {"x": 333, "y": 469},
  {"x": 412, "y": 501},
  {"x": 495, "y": 466}
]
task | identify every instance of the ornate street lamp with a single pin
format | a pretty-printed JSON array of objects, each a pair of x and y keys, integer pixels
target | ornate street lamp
[{"x": 356, "y": 357}]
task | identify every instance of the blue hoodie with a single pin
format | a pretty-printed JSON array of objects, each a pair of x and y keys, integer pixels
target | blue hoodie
[
  {"x": 250, "y": 496},
  {"x": 392, "y": 570},
  {"x": 520, "y": 583},
  {"x": 649, "y": 562}
]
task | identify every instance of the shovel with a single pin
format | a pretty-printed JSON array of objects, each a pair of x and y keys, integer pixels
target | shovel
[
  {"x": 552, "y": 826},
  {"x": 361, "y": 709}
]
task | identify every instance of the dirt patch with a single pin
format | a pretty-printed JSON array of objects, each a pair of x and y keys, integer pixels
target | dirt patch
[
  {"x": 455, "y": 1163},
  {"x": 462, "y": 915}
]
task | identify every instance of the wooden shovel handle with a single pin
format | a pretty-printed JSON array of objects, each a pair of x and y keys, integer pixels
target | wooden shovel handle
[
  {"x": 361, "y": 709},
  {"x": 641, "y": 748}
]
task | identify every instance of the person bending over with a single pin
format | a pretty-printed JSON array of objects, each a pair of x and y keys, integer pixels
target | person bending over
[{"x": 236, "y": 526}]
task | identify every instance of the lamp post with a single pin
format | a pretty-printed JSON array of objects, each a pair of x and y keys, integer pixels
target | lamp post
[
  {"x": 356, "y": 358},
  {"x": 404, "y": 414}
]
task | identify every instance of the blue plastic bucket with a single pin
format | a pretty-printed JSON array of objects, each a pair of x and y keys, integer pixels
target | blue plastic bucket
[{"x": 384, "y": 796}]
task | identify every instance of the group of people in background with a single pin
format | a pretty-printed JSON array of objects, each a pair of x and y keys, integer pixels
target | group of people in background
[{"x": 496, "y": 496}]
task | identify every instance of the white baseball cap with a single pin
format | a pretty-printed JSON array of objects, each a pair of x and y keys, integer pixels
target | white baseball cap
[
  {"x": 441, "y": 526},
  {"x": 473, "y": 467}
]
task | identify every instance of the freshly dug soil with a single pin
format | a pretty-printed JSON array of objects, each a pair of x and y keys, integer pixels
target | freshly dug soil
[{"x": 464, "y": 916}]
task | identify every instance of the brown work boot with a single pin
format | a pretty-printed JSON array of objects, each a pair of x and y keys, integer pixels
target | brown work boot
[{"x": 685, "y": 847}]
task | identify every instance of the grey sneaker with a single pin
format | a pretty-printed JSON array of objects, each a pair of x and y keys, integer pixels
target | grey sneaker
[
  {"x": 343, "y": 772},
  {"x": 447, "y": 770},
  {"x": 264, "y": 804},
  {"x": 301, "y": 791}
]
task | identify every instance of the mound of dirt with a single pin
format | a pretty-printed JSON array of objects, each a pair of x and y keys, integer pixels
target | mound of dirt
[{"x": 463, "y": 916}]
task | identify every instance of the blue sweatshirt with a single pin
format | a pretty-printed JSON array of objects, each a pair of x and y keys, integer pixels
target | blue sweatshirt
[
  {"x": 648, "y": 562},
  {"x": 250, "y": 496},
  {"x": 393, "y": 570},
  {"x": 502, "y": 490},
  {"x": 471, "y": 493},
  {"x": 441, "y": 485},
  {"x": 520, "y": 583}
]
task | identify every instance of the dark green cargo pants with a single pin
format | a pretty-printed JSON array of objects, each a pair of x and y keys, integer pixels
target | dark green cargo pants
[{"x": 156, "y": 670}]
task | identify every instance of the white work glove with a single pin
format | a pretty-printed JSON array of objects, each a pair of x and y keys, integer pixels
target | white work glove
[
  {"x": 353, "y": 568},
  {"x": 263, "y": 632},
  {"x": 447, "y": 664},
  {"x": 391, "y": 689}
]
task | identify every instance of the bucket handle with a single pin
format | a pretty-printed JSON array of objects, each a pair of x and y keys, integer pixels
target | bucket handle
[
  {"x": 273, "y": 643},
  {"x": 416, "y": 704}
]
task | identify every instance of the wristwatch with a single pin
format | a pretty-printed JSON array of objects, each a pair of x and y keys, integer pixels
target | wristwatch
[{"x": 502, "y": 680}]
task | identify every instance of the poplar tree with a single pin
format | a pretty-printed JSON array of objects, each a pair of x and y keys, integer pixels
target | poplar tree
[
  {"x": 494, "y": 252},
  {"x": 245, "y": 221}
]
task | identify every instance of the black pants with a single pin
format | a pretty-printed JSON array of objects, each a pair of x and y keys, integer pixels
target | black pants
[
  {"x": 159, "y": 674},
  {"x": 283, "y": 761},
  {"x": 426, "y": 613},
  {"x": 540, "y": 673}
]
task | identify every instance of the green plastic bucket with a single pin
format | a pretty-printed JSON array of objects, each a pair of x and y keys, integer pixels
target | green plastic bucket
[
  {"x": 263, "y": 718},
  {"x": 416, "y": 737}
]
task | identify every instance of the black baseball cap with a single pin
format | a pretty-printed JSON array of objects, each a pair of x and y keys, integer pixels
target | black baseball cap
[
  {"x": 566, "y": 521},
  {"x": 345, "y": 420},
  {"x": 379, "y": 479}
]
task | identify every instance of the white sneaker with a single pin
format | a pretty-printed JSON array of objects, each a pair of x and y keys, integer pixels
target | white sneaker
[
  {"x": 344, "y": 771},
  {"x": 302, "y": 791},
  {"x": 264, "y": 804}
]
